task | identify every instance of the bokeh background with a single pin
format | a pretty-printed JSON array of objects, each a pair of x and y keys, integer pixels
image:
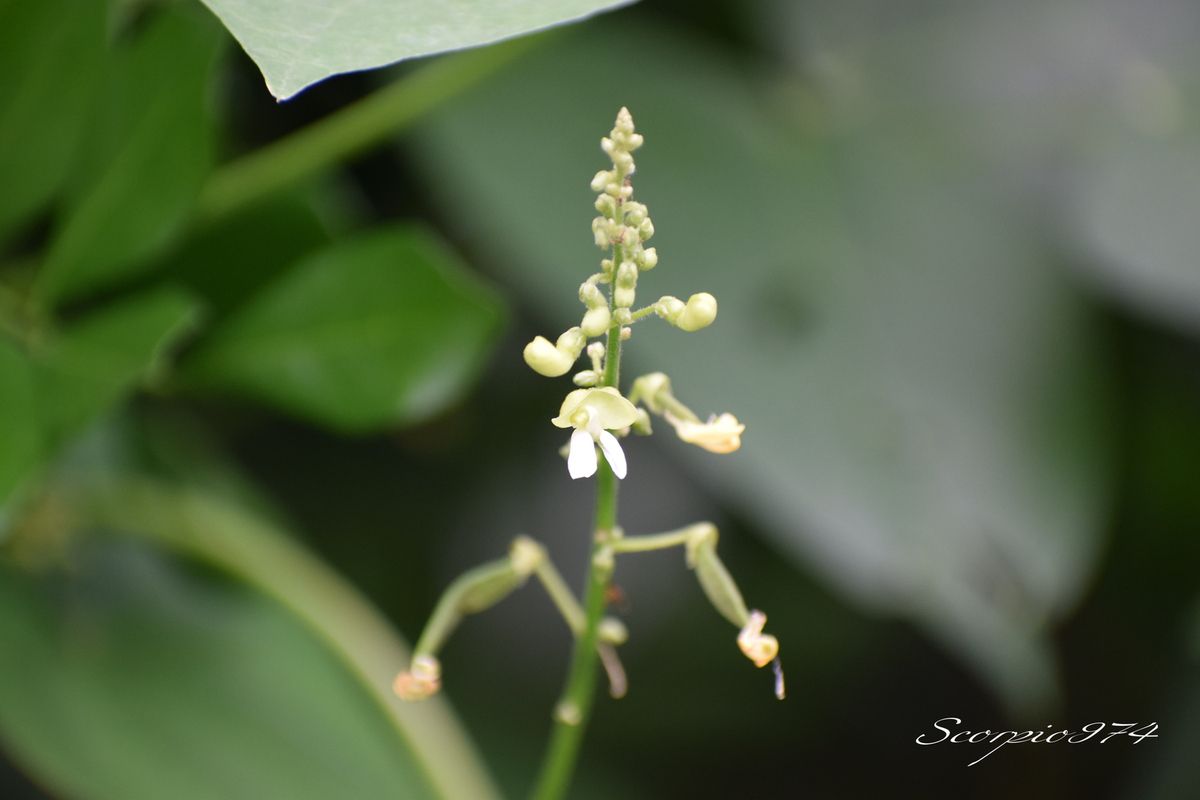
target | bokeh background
[{"x": 247, "y": 365}]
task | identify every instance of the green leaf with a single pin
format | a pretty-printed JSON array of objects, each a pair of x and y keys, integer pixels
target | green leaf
[
  {"x": 299, "y": 42},
  {"x": 925, "y": 414},
  {"x": 92, "y": 364},
  {"x": 378, "y": 330},
  {"x": 51, "y": 52},
  {"x": 253, "y": 249},
  {"x": 20, "y": 438},
  {"x": 149, "y": 151},
  {"x": 133, "y": 679}
]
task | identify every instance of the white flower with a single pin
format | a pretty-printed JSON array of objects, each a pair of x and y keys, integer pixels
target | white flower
[
  {"x": 593, "y": 413},
  {"x": 721, "y": 434}
]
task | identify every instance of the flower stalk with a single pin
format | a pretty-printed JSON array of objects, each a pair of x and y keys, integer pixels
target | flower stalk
[{"x": 599, "y": 416}]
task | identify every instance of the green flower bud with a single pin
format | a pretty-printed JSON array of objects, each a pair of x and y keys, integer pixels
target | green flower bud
[
  {"x": 700, "y": 311},
  {"x": 596, "y": 320},
  {"x": 646, "y": 229},
  {"x": 648, "y": 259},
  {"x": 622, "y": 316},
  {"x": 602, "y": 179}
]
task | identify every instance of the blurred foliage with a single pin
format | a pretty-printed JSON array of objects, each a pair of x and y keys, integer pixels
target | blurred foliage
[{"x": 240, "y": 355}]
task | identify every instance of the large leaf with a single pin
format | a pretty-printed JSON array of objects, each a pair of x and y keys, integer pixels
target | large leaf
[
  {"x": 919, "y": 386},
  {"x": 379, "y": 330},
  {"x": 299, "y": 42},
  {"x": 20, "y": 438},
  {"x": 131, "y": 679},
  {"x": 93, "y": 363},
  {"x": 51, "y": 52},
  {"x": 149, "y": 151}
]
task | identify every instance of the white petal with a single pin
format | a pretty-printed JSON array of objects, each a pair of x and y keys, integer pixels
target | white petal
[
  {"x": 581, "y": 460},
  {"x": 613, "y": 453}
]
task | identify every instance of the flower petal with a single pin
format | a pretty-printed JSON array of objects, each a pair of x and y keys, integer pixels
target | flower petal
[
  {"x": 581, "y": 459},
  {"x": 613, "y": 453}
]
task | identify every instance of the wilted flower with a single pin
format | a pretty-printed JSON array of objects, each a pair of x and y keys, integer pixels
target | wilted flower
[{"x": 721, "y": 434}]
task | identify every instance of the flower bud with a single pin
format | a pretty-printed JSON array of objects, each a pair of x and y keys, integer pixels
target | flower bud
[
  {"x": 626, "y": 333},
  {"x": 700, "y": 311},
  {"x": 669, "y": 308},
  {"x": 596, "y": 350},
  {"x": 641, "y": 425},
  {"x": 544, "y": 359},
  {"x": 648, "y": 259},
  {"x": 606, "y": 144},
  {"x": 571, "y": 342},
  {"x": 646, "y": 229},
  {"x": 635, "y": 213},
  {"x": 600, "y": 232},
  {"x": 606, "y": 205},
  {"x": 622, "y": 316},
  {"x": 586, "y": 378},
  {"x": 591, "y": 296},
  {"x": 596, "y": 320},
  {"x": 602, "y": 179}
]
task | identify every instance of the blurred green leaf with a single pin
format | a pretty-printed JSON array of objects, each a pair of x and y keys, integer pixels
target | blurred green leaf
[
  {"x": 378, "y": 330},
  {"x": 132, "y": 679},
  {"x": 90, "y": 365},
  {"x": 299, "y": 42},
  {"x": 148, "y": 152},
  {"x": 228, "y": 264},
  {"x": 20, "y": 439},
  {"x": 925, "y": 413},
  {"x": 51, "y": 52}
]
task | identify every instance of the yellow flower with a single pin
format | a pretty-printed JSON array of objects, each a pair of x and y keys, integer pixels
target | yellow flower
[{"x": 721, "y": 434}]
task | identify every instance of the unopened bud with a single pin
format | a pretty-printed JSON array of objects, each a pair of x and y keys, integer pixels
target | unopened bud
[
  {"x": 591, "y": 296},
  {"x": 587, "y": 377},
  {"x": 646, "y": 229},
  {"x": 600, "y": 232},
  {"x": 648, "y": 259},
  {"x": 544, "y": 359},
  {"x": 669, "y": 308},
  {"x": 700, "y": 311},
  {"x": 595, "y": 320},
  {"x": 606, "y": 205},
  {"x": 602, "y": 179}
]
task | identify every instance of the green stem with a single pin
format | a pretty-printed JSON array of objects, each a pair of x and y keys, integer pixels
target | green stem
[
  {"x": 352, "y": 130},
  {"x": 209, "y": 529},
  {"x": 575, "y": 705}
]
